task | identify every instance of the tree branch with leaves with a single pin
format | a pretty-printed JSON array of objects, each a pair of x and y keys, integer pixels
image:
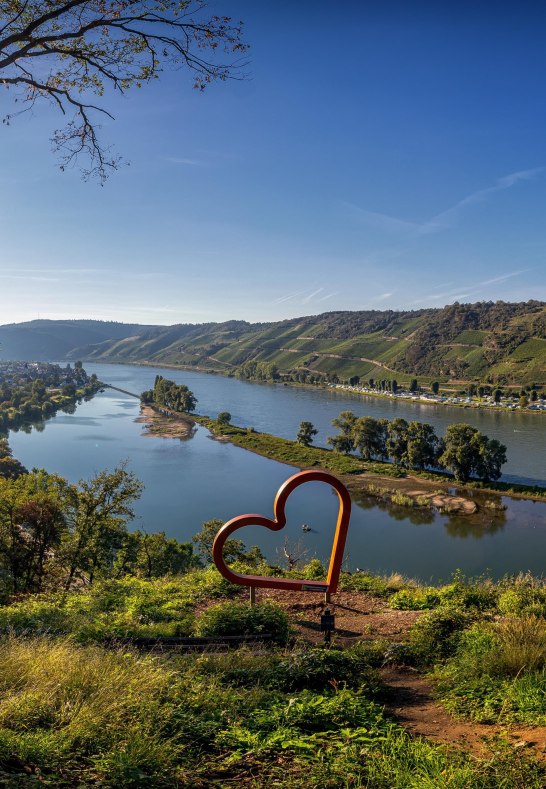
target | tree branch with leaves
[{"x": 67, "y": 52}]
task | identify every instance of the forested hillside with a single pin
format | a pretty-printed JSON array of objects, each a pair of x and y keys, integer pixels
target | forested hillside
[
  {"x": 44, "y": 340},
  {"x": 490, "y": 342}
]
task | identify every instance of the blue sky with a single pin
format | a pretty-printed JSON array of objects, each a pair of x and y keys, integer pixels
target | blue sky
[{"x": 381, "y": 155}]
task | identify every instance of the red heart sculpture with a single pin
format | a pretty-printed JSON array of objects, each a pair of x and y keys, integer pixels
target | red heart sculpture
[{"x": 278, "y": 523}]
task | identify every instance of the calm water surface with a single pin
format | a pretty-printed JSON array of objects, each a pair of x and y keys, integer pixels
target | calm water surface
[
  {"x": 188, "y": 482},
  {"x": 279, "y": 410}
]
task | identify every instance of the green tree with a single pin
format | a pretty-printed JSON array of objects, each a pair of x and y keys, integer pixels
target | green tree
[
  {"x": 10, "y": 468},
  {"x": 435, "y": 387},
  {"x": 414, "y": 385},
  {"x": 176, "y": 397},
  {"x": 69, "y": 390},
  {"x": 32, "y": 524},
  {"x": 497, "y": 394},
  {"x": 223, "y": 418},
  {"x": 153, "y": 556},
  {"x": 306, "y": 433},
  {"x": 397, "y": 441},
  {"x": 369, "y": 437},
  {"x": 492, "y": 456},
  {"x": 66, "y": 52},
  {"x": 345, "y": 441},
  {"x": 234, "y": 550},
  {"x": 422, "y": 445},
  {"x": 99, "y": 513},
  {"x": 467, "y": 452},
  {"x": 459, "y": 452},
  {"x": 38, "y": 388}
]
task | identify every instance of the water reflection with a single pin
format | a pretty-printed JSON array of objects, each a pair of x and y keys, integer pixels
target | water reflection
[
  {"x": 476, "y": 526},
  {"x": 419, "y": 516}
]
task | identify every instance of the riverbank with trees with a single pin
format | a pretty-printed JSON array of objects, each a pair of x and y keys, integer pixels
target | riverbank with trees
[
  {"x": 381, "y": 480},
  {"x": 529, "y": 398},
  {"x": 31, "y": 392}
]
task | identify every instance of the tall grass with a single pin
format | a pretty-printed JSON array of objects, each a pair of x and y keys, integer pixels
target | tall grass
[{"x": 61, "y": 703}]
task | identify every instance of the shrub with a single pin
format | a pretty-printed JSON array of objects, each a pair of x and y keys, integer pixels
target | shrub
[
  {"x": 310, "y": 712},
  {"x": 436, "y": 634},
  {"x": 364, "y": 582},
  {"x": 522, "y": 599},
  {"x": 209, "y": 583},
  {"x": 312, "y": 571},
  {"x": 414, "y": 599},
  {"x": 319, "y": 669},
  {"x": 521, "y": 646},
  {"x": 239, "y": 619},
  {"x": 481, "y": 594}
]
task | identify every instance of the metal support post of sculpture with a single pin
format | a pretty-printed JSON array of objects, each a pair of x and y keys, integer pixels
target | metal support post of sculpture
[{"x": 279, "y": 522}]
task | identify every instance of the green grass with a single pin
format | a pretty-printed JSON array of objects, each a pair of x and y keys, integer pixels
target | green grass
[
  {"x": 486, "y": 646},
  {"x": 80, "y": 715},
  {"x": 129, "y": 607},
  {"x": 286, "y": 451},
  {"x": 498, "y": 673},
  {"x": 83, "y": 716},
  {"x": 294, "y": 454}
]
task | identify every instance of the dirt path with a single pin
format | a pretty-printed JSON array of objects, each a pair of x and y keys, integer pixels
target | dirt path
[
  {"x": 359, "y": 615},
  {"x": 409, "y": 696},
  {"x": 409, "y": 699}
]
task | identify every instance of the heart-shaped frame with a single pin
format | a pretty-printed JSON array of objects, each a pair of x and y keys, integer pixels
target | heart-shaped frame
[{"x": 278, "y": 523}]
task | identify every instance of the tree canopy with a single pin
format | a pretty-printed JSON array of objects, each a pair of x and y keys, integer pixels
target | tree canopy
[
  {"x": 468, "y": 452},
  {"x": 170, "y": 394},
  {"x": 306, "y": 433},
  {"x": 66, "y": 51}
]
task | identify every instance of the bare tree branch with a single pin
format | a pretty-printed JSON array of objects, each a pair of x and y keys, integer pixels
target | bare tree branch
[{"x": 62, "y": 51}]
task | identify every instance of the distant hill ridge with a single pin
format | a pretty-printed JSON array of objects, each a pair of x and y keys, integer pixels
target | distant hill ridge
[
  {"x": 48, "y": 340},
  {"x": 494, "y": 342}
]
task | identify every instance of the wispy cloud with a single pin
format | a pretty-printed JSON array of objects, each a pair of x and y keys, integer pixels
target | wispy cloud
[
  {"x": 29, "y": 278},
  {"x": 311, "y": 296},
  {"x": 184, "y": 161},
  {"x": 155, "y": 309},
  {"x": 382, "y": 221},
  {"x": 383, "y": 297},
  {"x": 504, "y": 277},
  {"x": 288, "y": 296},
  {"x": 329, "y": 296},
  {"x": 48, "y": 270},
  {"x": 466, "y": 290},
  {"x": 445, "y": 219},
  {"x": 304, "y": 297}
]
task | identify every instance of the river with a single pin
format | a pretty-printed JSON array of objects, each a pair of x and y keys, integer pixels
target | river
[{"x": 188, "y": 482}]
